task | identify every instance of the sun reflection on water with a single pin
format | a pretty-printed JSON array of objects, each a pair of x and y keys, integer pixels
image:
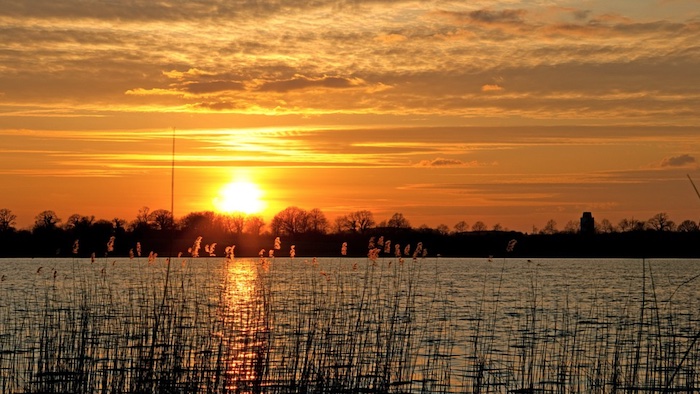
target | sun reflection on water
[{"x": 244, "y": 334}]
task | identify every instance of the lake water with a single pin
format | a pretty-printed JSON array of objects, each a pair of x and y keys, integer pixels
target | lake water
[{"x": 431, "y": 325}]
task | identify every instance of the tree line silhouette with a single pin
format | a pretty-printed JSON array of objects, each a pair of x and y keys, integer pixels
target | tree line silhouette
[{"x": 313, "y": 235}]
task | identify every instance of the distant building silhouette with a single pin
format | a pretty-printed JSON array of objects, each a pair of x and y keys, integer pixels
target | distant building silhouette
[{"x": 587, "y": 223}]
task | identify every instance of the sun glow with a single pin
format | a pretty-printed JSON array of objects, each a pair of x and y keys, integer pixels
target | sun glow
[{"x": 239, "y": 196}]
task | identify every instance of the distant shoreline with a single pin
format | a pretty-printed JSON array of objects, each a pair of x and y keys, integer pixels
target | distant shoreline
[{"x": 634, "y": 244}]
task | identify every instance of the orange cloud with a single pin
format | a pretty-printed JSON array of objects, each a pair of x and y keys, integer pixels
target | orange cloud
[
  {"x": 391, "y": 38},
  {"x": 491, "y": 88},
  {"x": 213, "y": 86},
  {"x": 303, "y": 82},
  {"x": 441, "y": 162}
]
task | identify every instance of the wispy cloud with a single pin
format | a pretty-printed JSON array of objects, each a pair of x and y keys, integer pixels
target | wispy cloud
[
  {"x": 213, "y": 86},
  {"x": 303, "y": 82},
  {"x": 442, "y": 162},
  {"x": 678, "y": 161}
]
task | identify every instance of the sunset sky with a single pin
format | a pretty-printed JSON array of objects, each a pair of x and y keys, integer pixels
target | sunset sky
[{"x": 512, "y": 112}]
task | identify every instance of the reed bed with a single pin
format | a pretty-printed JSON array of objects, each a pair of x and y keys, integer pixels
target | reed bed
[
  {"x": 237, "y": 326},
  {"x": 388, "y": 325},
  {"x": 545, "y": 344}
]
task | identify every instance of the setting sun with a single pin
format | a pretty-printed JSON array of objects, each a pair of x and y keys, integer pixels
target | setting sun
[{"x": 239, "y": 196}]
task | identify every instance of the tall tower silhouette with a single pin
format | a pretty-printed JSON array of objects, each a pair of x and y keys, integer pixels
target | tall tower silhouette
[{"x": 587, "y": 223}]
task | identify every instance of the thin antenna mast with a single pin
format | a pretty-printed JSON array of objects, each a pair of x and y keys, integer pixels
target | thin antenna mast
[
  {"x": 172, "y": 186},
  {"x": 172, "y": 215},
  {"x": 693, "y": 183}
]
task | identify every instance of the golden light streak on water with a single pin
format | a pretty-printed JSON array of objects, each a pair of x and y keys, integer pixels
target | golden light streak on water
[{"x": 245, "y": 326}]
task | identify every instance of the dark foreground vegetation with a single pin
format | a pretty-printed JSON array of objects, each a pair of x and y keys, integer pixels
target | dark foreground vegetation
[{"x": 314, "y": 236}]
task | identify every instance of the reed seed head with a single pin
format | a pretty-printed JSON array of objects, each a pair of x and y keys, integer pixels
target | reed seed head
[
  {"x": 418, "y": 251},
  {"x": 373, "y": 254},
  {"x": 229, "y": 252},
  {"x": 194, "y": 250},
  {"x": 511, "y": 245},
  {"x": 110, "y": 244}
]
